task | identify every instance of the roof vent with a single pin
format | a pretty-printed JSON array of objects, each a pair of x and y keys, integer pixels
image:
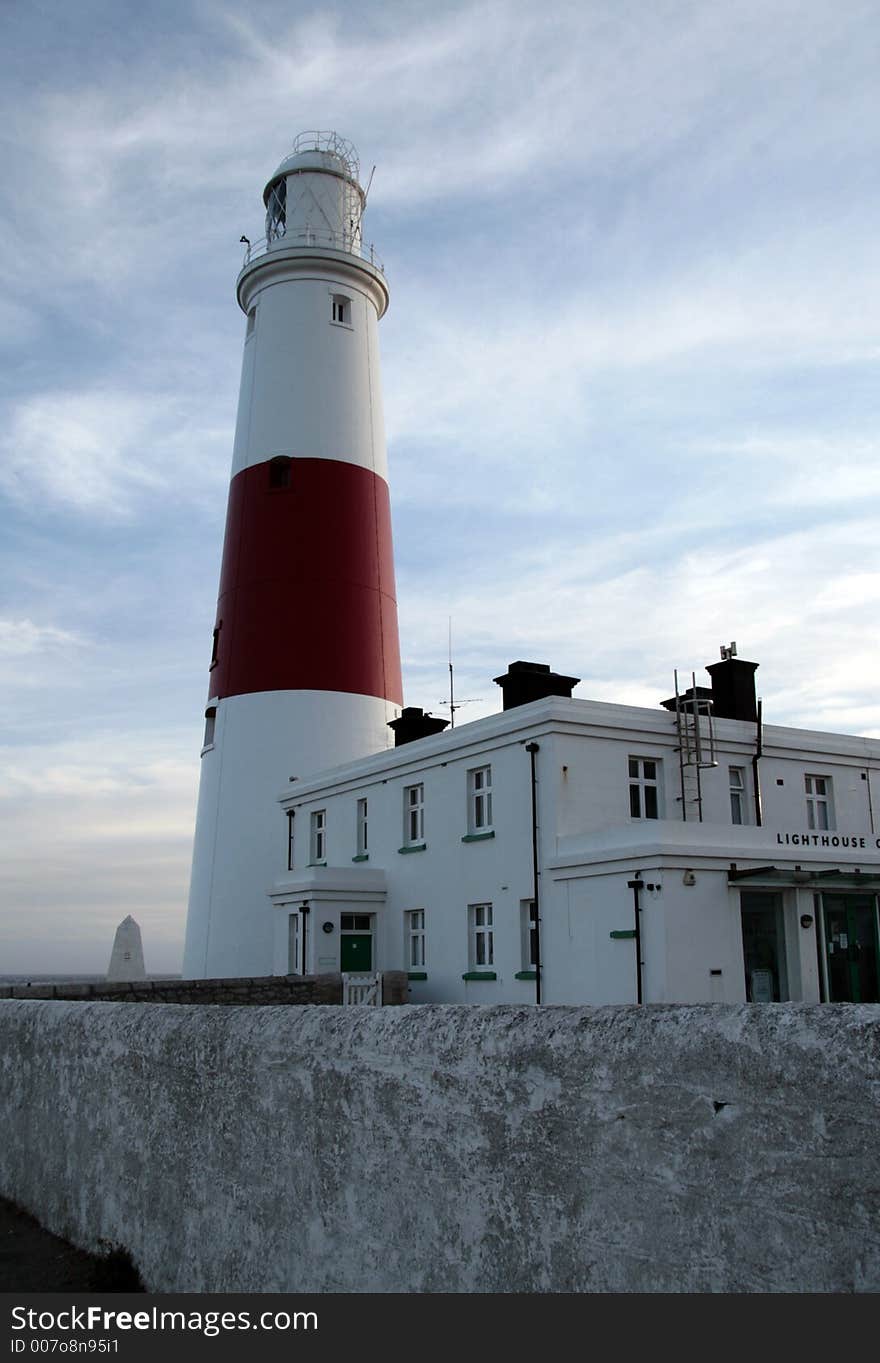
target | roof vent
[
  {"x": 413, "y": 723},
  {"x": 525, "y": 682}
]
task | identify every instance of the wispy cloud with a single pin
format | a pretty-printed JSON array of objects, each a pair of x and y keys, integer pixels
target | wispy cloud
[
  {"x": 103, "y": 451},
  {"x": 21, "y": 637}
]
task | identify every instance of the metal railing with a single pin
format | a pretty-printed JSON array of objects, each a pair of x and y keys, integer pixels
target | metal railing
[
  {"x": 336, "y": 241},
  {"x": 328, "y": 142}
]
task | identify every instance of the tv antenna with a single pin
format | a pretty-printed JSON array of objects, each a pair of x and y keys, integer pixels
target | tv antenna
[{"x": 452, "y": 704}]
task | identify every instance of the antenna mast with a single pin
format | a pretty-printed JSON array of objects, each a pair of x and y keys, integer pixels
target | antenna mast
[{"x": 452, "y": 703}]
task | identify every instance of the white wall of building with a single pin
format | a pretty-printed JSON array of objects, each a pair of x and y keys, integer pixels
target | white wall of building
[{"x": 589, "y": 848}]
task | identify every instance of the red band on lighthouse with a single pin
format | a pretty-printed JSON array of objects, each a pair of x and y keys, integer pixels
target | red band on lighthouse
[{"x": 307, "y": 585}]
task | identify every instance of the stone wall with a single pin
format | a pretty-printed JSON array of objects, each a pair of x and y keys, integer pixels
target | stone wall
[
  {"x": 451, "y": 1148},
  {"x": 265, "y": 989}
]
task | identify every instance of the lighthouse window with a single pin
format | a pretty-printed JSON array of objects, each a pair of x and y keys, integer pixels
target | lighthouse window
[
  {"x": 276, "y": 211},
  {"x": 279, "y": 471},
  {"x": 341, "y": 309},
  {"x": 251, "y": 323},
  {"x": 210, "y": 719},
  {"x": 644, "y": 797},
  {"x": 215, "y": 644}
]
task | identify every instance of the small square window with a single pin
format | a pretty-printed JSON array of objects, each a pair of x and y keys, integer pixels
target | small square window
[
  {"x": 280, "y": 472},
  {"x": 341, "y": 309}
]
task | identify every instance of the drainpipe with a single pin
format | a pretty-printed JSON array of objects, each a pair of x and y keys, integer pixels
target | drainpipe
[
  {"x": 636, "y": 886},
  {"x": 756, "y": 757},
  {"x": 532, "y": 749},
  {"x": 870, "y": 801},
  {"x": 304, "y": 911}
]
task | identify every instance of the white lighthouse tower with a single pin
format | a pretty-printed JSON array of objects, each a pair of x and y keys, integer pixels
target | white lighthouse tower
[{"x": 305, "y": 667}]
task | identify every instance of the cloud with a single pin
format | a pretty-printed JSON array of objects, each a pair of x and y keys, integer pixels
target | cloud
[
  {"x": 624, "y": 630},
  {"x": 103, "y": 452},
  {"x": 21, "y": 637}
]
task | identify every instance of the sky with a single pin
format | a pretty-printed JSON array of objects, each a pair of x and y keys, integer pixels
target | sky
[{"x": 629, "y": 368}]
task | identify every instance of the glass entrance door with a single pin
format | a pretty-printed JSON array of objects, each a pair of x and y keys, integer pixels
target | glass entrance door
[
  {"x": 763, "y": 932},
  {"x": 851, "y": 947}
]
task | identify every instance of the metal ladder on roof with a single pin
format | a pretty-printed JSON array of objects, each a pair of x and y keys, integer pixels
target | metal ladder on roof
[{"x": 695, "y": 729}]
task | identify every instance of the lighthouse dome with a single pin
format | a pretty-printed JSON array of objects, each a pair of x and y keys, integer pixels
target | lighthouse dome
[
  {"x": 314, "y": 198},
  {"x": 321, "y": 152}
]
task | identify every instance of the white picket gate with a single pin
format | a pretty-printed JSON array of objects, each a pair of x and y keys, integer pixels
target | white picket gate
[{"x": 362, "y": 989}]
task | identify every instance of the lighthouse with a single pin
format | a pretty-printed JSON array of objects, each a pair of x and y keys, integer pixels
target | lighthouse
[{"x": 305, "y": 661}]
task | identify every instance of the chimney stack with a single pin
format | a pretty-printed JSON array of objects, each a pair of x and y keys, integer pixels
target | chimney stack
[
  {"x": 414, "y": 723},
  {"x": 733, "y": 686},
  {"x": 525, "y": 682}
]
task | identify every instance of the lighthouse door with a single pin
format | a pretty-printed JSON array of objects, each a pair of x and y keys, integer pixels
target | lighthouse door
[{"x": 356, "y": 942}]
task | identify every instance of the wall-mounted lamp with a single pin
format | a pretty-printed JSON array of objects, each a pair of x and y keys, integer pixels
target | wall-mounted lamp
[{"x": 689, "y": 878}]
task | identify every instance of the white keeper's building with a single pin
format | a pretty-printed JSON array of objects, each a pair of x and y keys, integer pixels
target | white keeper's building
[
  {"x": 676, "y": 855},
  {"x": 562, "y": 851}
]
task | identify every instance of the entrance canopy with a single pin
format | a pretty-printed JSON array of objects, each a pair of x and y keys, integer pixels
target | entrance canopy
[{"x": 800, "y": 877}]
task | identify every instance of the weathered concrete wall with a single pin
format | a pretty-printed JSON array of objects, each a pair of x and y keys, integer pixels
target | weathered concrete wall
[
  {"x": 448, "y": 1148},
  {"x": 265, "y": 989}
]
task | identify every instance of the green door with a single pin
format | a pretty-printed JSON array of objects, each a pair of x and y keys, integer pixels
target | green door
[
  {"x": 356, "y": 952},
  {"x": 851, "y": 948}
]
